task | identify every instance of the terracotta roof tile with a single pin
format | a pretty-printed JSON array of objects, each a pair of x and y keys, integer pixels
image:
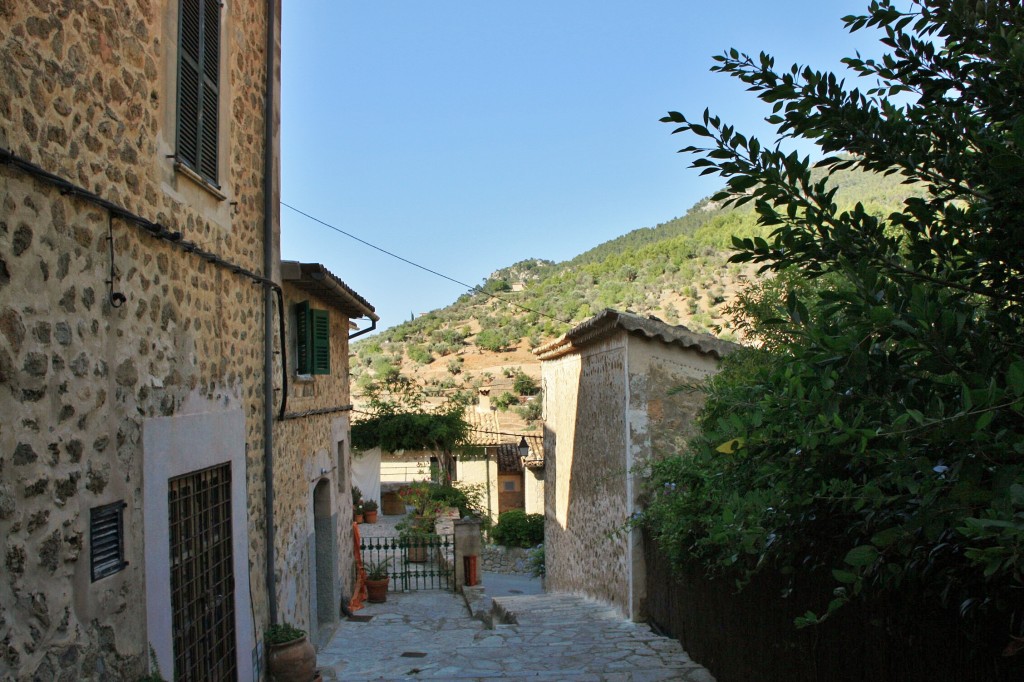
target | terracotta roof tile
[
  {"x": 608, "y": 321},
  {"x": 483, "y": 427}
]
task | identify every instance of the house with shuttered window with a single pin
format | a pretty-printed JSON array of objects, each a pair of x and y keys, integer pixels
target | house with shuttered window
[
  {"x": 151, "y": 405},
  {"x": 312, "y": 456}
]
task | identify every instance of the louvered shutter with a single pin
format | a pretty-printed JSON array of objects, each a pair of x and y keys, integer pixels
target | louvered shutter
[
  {"x": 321, "y": 342},
  {"x": 303, "y": 339},
  {"x": 208, "y": 123},
  {"x": 106, "y": 540},
  {"x": 199, "y": 86}
]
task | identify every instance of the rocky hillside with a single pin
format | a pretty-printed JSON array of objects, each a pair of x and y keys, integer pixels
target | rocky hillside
[{"x": 677, "y": 271}]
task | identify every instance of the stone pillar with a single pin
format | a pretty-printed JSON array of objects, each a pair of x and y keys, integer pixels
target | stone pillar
[{"x": 468, "y": 542}]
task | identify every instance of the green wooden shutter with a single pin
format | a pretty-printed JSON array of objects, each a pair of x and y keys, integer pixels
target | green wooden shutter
[
  {"x": 198, "y": 85},
  {"x": 303, "y": 339},
  {"x": 321, "y": 342}
]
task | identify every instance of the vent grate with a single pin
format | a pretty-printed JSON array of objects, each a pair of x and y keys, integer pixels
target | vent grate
[{"x": 106, "y": 540}]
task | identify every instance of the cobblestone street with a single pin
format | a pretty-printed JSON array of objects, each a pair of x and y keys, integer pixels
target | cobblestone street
[{"x": 431, "y": 636}]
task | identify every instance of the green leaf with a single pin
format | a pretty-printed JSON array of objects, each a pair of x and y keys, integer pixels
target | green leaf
[
  {"x": 730, "y": 446},
  {"x": 1015, "y": 377},
  {"x": 862, "y": 555},
  {"x": 844, "y": 577}
]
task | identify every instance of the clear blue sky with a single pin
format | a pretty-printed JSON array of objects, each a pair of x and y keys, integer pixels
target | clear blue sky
[{"x": 468, "y": 135}]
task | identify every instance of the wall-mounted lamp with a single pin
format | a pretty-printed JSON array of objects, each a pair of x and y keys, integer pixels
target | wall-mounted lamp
[{"x": 524, "y": 449}]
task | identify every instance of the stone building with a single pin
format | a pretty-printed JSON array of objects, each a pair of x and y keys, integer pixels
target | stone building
[
  {"x": 608, "y": 409},
  {"x": 312, "y": 457},
  {"x": 142, "y": 324},
  {"x": 533, "y": 475}
]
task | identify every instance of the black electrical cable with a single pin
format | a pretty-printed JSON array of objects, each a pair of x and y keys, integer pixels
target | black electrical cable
[
  {"x": 67, "y": 188},
  {"x": 471, "y": 287},
  {"x": 117, "y": 299}
]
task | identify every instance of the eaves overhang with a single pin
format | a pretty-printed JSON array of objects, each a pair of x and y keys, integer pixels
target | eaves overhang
[
  {"x": 609, "y": 321},
  {"x": 315, "y": 279}
]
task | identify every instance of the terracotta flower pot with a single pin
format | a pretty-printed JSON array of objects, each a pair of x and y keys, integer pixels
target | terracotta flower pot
[
  {"x": 293, "y": 661},
  {"x": 359, "y": 518},
  {"x": 370, "y": 516},
  {"x": 377, "y": 590},
  {"x": 417, "y": 553}
]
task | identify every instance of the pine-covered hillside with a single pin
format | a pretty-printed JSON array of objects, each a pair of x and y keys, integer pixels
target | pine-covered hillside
[{"x": 677, "y": 271}]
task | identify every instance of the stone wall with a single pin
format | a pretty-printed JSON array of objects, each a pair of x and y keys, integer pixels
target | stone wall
[
  {"x": 507, "y": 560},
  {"x": 660, "y": 421},
  {"x": 309, "y": 449},
  {"x": 609, "y": 408},
  {"x": 585, "y": 471},
  {"x": 87, "y": 91}
]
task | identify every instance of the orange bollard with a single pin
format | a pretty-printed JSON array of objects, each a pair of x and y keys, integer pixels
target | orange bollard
[{"x": 469, "y": 568}]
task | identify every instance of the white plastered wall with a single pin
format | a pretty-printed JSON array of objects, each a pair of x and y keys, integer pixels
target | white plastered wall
[{"x": 178, "y": 445}]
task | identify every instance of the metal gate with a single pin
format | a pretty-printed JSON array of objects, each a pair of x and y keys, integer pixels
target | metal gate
[{"x": 425, "y": 562}]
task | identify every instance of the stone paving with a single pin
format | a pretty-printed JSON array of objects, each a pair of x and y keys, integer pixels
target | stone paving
[{"x": 430, "y": 635}]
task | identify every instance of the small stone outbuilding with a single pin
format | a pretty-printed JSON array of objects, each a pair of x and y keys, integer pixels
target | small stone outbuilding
[{"x": 609, "y": 408}]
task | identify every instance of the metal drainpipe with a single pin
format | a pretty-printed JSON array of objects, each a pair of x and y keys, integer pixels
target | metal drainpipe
[
  {"x": 373, "y": 325},
  {"x": 268, "y": 302}
]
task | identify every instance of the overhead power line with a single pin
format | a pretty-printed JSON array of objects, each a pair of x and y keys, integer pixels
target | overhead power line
[{"x": 471, "y": 287}]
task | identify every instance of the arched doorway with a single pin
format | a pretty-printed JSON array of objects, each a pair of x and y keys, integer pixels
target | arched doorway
[{"x": 325, "y": 552}]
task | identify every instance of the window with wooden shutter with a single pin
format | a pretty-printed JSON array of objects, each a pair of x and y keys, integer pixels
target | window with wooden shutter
[
  {"x": 303, "y": 339},
  {"x": 106, "y": 540},
  {"x": 312, "y": 340},
  {"x": 198, "y": 86},
  {"x": 321, "y": 342}
]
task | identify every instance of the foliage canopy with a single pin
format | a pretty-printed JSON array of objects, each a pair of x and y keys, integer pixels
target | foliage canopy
[
  {"x": 878, "y": 432},
  {"x": 398, "y": 421}
]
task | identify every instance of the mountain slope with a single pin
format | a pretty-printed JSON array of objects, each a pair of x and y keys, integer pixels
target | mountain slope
[{"x": 677, "y": 271}]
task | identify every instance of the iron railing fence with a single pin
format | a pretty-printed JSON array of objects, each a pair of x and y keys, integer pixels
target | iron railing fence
[{"x": 424, "y": 562}]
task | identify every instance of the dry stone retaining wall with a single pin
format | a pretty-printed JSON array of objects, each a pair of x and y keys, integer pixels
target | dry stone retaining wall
[{"x": 507, "y": 560}]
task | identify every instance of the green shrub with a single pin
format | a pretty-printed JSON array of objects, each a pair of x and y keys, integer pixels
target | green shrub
[
  {"x": 532, "y": 410},
  {"x": 516, "y": 528},
  {"x": 455, "y": 365},
  {"x": 492, "y": 340},
  {"x": 281, "y": 633},
  {"x": 524, "y": 384},
  {"x": 503, "y": 401},
  {"x": 420, "y": 355},
  {"x": 536, "y": 561}
]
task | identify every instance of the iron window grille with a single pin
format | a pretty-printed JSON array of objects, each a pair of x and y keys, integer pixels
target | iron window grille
[{"x": 106, "y": 540}]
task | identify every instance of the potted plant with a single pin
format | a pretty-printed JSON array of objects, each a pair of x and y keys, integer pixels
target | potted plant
[
  {"x": 154, "y": 669},
  {"x": 357, "y": 504},
  {"x": 415, "y": 535},
  {"x": 290, "y": 655},
  {"x": 370, "y": 511},
  {"x": 377, "y": 581}
]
